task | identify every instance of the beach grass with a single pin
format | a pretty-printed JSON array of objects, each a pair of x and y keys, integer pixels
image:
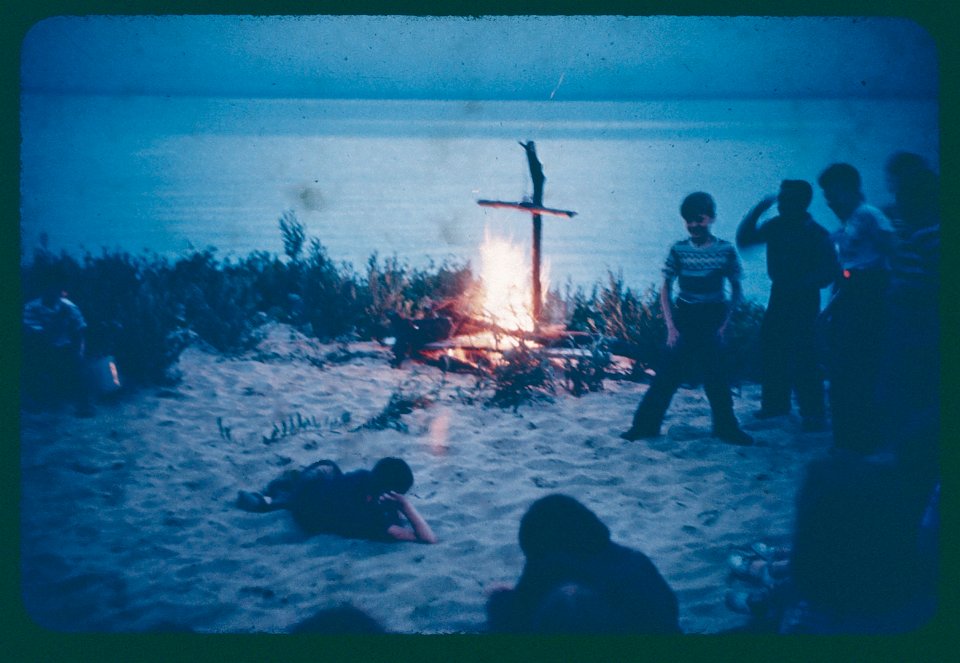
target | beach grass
[{"x": 145, "y": 309}]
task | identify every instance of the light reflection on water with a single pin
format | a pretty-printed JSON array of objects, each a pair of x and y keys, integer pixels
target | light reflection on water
[{"x": 403, "y": 178}]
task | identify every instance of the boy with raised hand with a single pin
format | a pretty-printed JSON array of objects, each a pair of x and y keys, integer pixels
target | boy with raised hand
[{"x": 801, "y": 260}]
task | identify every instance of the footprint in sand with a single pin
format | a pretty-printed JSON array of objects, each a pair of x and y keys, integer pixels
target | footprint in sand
[
  {"x": 698, "y": 471},
  {"x": 605, "y": 452},
  {"x": 438, "y": 585},
  {"x": 549, "y": 464},
  {"x": 541, "y": 482},
  {"x": 261, "y": 592},
  {"x": 602, "y": 480},
  {"x": 658, "y": 480},
  {"x": 750, "y": 500},
  {"x": 685, "y": 432},
  {"x": 708, "y": 518},
  {"x": 331, "y": 575}
]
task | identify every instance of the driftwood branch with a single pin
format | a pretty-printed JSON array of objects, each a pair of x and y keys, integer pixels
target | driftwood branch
[
  {"x": 536, "y": 172},
  {"x": 527, "y": 207}
]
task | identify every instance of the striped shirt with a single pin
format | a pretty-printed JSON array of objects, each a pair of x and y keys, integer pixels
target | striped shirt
[
  {"x": 916, "y": 268},
  {"x": 700, "y": 270}
]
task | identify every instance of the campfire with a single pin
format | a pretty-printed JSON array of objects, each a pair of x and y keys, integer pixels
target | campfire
[
  {"x": 507, "y": 307},
  {"x": 505, "y": 288},
  {"x": 497, "y": 315}
]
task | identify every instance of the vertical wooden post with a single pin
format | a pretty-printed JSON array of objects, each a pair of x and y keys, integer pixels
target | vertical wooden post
[
  {"x": 536, "y": 173},
  {"x": 537, "y": 297}
]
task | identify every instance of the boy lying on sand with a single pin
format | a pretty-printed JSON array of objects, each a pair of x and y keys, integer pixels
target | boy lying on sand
[{"x": 364, "y": 504}]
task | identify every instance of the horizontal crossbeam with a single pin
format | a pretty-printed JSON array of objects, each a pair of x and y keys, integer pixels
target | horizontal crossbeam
[{"x": 527, "y": 207}]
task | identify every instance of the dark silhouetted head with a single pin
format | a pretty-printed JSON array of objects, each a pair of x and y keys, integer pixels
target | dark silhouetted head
[
  {"x": 341, "y": 619},
  {"x": 559, "y": 523},
  {"x": 699, "y": 212},
  {"x": 841, "y": 188},
  {"x": 918, "y": 199},
  {"x": 794, "y": 197},
  {"x": 696, "y": 205},
  {"x": 902, "y": 165},
  {"x": 392, "y": 474}
]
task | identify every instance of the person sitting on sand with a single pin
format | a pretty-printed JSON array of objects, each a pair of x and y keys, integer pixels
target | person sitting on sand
[
  {"x": 575, "y": 573},
  {"x": 801, "y": 260},
  {"x": 700, "y": 265},
  {"x": 863, "y": 559},
  {"x": 339, "y": 620},
  {"x": 53, "y": 347},
  {"x": 366, "y": 504},
  {"x": 858, "y": 560}
]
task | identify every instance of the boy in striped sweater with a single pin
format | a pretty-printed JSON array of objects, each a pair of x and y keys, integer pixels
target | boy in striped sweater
[{"x": 697, "y": 325}]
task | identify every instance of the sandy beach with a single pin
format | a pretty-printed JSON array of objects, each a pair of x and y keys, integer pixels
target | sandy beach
[{"x": 129, "y": 522}]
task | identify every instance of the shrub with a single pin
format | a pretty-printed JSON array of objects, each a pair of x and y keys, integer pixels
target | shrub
[
  {"x": 393, "y": 286},
  {"x": 220, "y": 303},
  {"x": 145, "y": 309},
  {"x": 743, "y": 342},
  {"x": 128, "y": 304},
  {"x": 293, "y": 234},
  {"x": 585, "y": 372},
  {"x": 332, "y": 301},
  {"x": 524, "y": 375},
  {"x": 633, "y": 326},
  {"x": 402, "y": 401}
]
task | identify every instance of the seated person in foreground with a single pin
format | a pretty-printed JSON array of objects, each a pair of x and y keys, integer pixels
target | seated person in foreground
[
  {"x": 860, "y": 562},
  {"x": 339, "y": 620},
  {"x": 363, "y": 504},
  {"x": 53, "y": 348},
  {"x": 576, "y": 579}
]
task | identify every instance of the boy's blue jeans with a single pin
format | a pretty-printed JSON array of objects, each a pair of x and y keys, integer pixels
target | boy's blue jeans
[
  {"x": 698, "y": 348},
  {"x": 789, "y": 352}
]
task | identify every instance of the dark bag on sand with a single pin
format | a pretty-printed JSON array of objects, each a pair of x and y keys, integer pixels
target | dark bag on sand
[{"x": 103, "y": 375}]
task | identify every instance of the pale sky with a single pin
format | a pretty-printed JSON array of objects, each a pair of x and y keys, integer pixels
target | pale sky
[{"x": 538, "y": 58}]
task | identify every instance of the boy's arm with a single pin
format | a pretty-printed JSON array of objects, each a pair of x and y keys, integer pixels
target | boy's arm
[
  {"x": 736, "y": 293},
  {"x": 747, "y": 234},
  {"x": 421, "y": 530},
  {"x": 665, "y": 306}
]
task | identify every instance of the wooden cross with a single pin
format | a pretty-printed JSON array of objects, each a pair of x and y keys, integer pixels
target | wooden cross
[{"x": 536, "y": 208}]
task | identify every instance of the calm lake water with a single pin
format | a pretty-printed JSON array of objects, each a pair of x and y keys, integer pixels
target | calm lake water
[{"x": 403, "y": 177}]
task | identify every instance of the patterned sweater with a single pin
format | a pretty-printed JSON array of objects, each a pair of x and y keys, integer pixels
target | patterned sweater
[{"x": 700, "y": 270}]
